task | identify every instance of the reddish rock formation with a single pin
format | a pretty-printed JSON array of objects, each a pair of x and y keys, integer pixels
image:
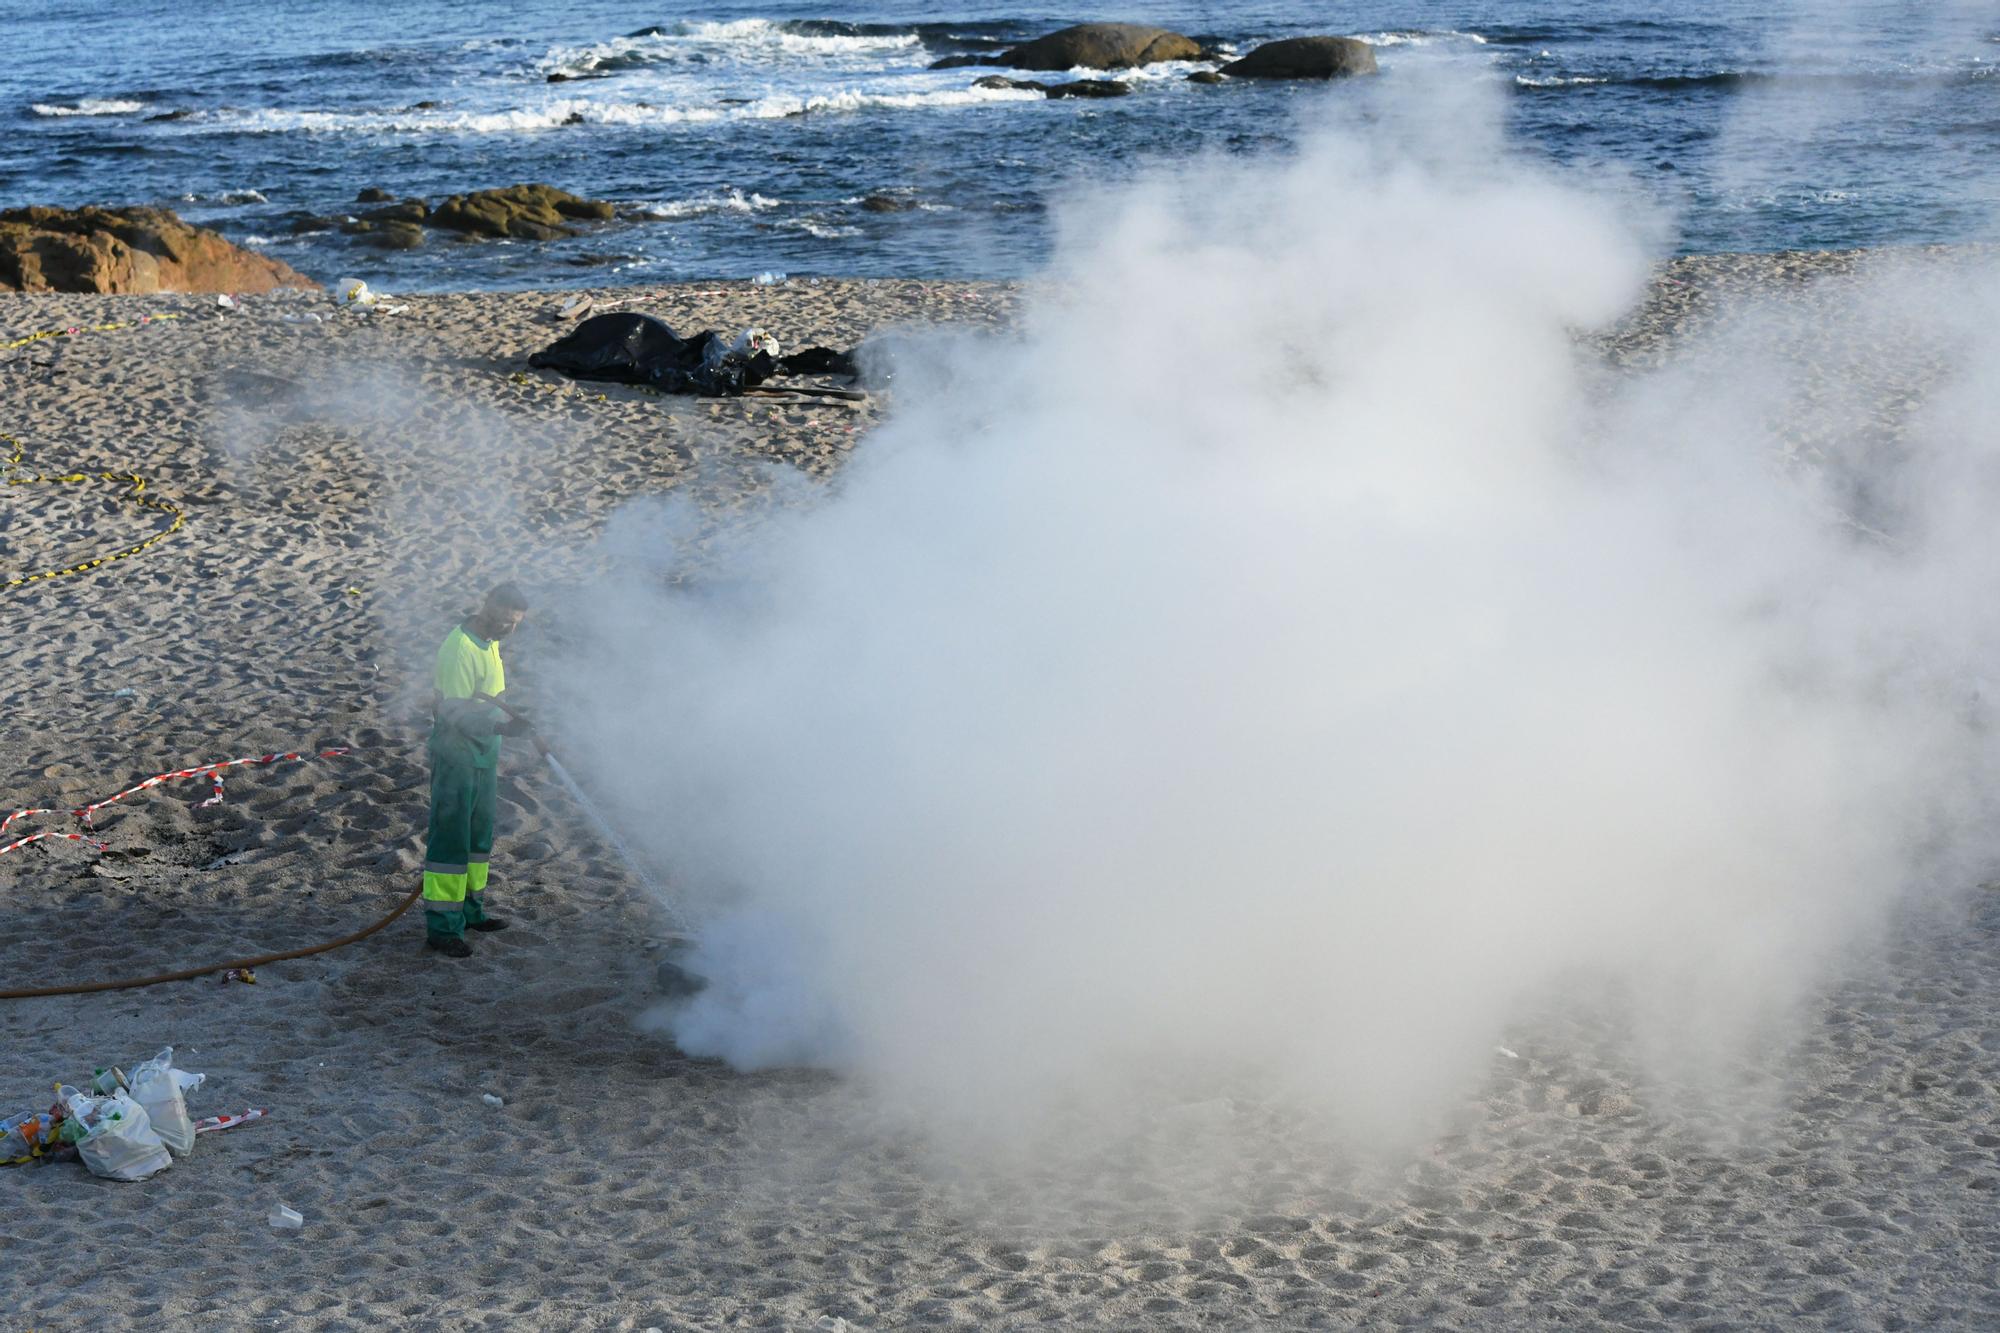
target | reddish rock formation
[{"x": 120, "y": 250}]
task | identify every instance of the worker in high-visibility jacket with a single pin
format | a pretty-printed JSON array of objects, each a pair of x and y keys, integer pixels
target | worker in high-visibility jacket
[{"x": 465, "y": 759}]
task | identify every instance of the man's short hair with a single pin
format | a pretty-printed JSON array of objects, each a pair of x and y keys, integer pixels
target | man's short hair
[{"x": 506, "y": 597}]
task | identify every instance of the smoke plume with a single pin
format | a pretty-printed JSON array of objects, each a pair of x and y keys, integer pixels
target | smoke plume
[{"x": 1295, "y": 650}]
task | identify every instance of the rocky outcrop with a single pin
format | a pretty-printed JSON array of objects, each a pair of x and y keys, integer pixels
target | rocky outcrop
[
  {"x": 128, "y": 250},
  {"x": 537, "y": 212},
  {"x": 1305, "y": 58},
  {"x": 1074, "y": 88},
  {"x": 960, "y": 62},
  {"x": 1103, "y": 46}
]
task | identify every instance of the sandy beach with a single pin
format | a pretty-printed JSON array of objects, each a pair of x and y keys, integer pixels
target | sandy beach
[{"x": 348, "y": 482}]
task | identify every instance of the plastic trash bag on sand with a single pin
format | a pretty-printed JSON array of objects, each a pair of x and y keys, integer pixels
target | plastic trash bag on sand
[
  {"x": 119, "y": 1142},
  {"x": 157, "y": 1086},
  {"x": 353, "y": 291}
]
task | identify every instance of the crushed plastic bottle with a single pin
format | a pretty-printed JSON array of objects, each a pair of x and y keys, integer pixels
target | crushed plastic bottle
[
  {"x": 492, "y": 1100},
  {"x": 286, "y": 1219}
]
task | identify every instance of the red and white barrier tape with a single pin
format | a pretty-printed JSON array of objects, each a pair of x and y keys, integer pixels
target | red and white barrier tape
[
  {"x": 216, "y": 1122},
  {"x": 37, "y": 837},
  {"x": 214, "y": 772}
]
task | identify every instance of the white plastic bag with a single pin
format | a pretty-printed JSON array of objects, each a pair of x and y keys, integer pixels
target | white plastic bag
[
  {"x": 155, "y": 1086},
  {"x": 121, "y": 1144},
  {"x": 353, "y": 291}
]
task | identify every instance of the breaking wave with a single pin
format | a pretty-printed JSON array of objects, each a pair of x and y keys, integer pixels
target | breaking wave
[
  {"x": 819, "y": 228},
  {"x": 744, "y": 39},
  {"x": 1729, "y": 80},
  {"x": 232, "y": 198},
  {"x": 1420, "y": 37},
  {"x": 569, "y": 111},
  {"x": 725, "y": 201},
  {"x": 1555, "y": 81},
  {"x": 89, "y": 106}
]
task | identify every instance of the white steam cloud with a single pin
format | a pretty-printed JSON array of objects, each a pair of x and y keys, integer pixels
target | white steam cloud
[{"x": 1295, "y": 651}]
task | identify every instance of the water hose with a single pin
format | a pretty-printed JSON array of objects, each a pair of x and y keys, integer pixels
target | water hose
[
  {"x": 610, "y": 835},
  {"x": 186, "y": 973},
  {"x": 675, "y": 978}
]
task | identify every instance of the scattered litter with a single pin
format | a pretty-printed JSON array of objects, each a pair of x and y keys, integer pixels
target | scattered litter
[
  {"x": 227, "y": 302},
  {"x": 124, "y": 1128},
  {"x": 354, "y": 294},
  {"x": 832, "y": 1323},
  {"x": 72, "y": 331},
  {"x": 229, "y": 859},
  {"x": 492, "y": 1100},
  {"x": 768, "y": 279},
  {"x": 286, "y": 1219},
  {"x": 752, "y": 341},
  {"x": 127, "y": 693},
  {"x": 308, "y": 318},
  {"x": 243, "y": 974},
  {"x": 1504, "y": 1051},
  {"x": 353, "y": 291},
  {"x": 23, "y": 1138},
  {"x": 354, "y": 592},
  {"x": 211, "y": 1124}
]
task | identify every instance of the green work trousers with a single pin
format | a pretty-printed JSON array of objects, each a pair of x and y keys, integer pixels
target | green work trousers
[{"x": 460, "y": 842}]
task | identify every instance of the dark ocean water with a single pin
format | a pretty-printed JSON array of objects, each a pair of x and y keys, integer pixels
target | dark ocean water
[{"x": 749, "y": 134}]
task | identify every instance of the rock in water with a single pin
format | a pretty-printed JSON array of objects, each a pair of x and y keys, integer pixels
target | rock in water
[
  {"x": 960, "y": 62},
  {"x": 396, "y": 235},
  {"x": 410, "y": 210},
  {"x": 538, "y": 212},
  {"x": 1074, "y": 88},
  {"x": 1103, "y": 46},
  {"x": 1305, "y": 58},
  {"x": 128, "y": 250},
  {"x": 1088, "y": 88}
]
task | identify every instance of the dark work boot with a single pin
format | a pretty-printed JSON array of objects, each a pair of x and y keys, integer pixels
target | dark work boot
[
  {"x": 488, "y": 923},
  {"x": 449, "y": 945}
]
